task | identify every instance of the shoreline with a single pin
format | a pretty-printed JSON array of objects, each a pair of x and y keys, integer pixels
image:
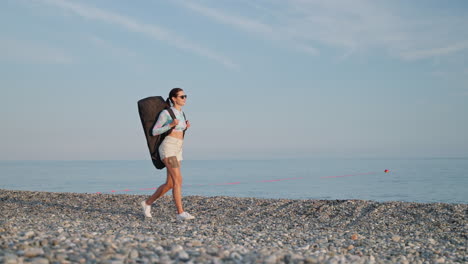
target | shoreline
[
  {"x": 49, "y": 227},
  {"x": 149, "y": 191}
]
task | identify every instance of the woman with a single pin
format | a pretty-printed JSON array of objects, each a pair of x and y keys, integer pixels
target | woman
[{"x": 170, "y": 151}]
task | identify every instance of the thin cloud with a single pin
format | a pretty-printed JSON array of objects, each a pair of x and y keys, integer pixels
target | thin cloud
[
  {"x": 371, "y": 25},
  {"x": 150, "y": 30},
  {"x": 249, "y": 25},
  {"x": 240, "y": 22},
  {"x": 348, "y": 26},
  {"x": 21, "y": 51},
  {"x": 434, "y": 52}
]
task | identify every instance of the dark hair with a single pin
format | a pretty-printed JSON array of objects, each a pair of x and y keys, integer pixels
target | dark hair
[{"x": 173, "y": 93}]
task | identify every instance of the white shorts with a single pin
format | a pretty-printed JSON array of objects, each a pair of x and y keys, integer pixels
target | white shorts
[{"x": 171, "y": 147}]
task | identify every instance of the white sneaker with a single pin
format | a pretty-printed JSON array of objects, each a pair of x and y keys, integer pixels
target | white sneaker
[
  {"x": 184, "y": 216},
  {"x": 146, "y": 209}
]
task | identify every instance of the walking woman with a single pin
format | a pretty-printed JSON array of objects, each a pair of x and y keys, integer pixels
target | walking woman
[{"x": 170, "y": 151}]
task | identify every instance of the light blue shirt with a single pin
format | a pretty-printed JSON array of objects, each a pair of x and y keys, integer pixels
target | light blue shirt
[{"x": 165, "y": 119}]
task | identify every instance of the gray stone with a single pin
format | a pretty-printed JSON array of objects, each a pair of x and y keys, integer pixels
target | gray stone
[
  {"x": 40, "y": 261},
  {"x": 133, "y": 254},
  {"x": 10, "y": 258},
  {"x": 270, "y": 259},
  {"x": 33, "y": 252},
  {"x": 182, "y": 255}
]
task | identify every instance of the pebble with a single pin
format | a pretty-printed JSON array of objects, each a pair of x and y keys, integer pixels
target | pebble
[
  {"x": 40, "y": 227},
  {"x": 33, "y": 252},
  {"x": 133, "y": 254},
  {"x": 40, "y": 261},
  {"x": 182, "y": 255}
]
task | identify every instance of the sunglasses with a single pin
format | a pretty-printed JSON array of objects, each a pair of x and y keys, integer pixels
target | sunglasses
[{"x": 183, "y": 96}]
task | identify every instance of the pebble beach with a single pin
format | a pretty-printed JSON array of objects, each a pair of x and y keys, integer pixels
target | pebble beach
[{"x": 44, "y": 227}]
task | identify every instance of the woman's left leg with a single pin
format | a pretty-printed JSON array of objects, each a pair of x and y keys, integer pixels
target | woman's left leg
[{"x": 173, "y": 167}]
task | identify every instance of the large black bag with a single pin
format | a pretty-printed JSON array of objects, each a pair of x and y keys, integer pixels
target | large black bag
[{"x": 149, "y": 109}]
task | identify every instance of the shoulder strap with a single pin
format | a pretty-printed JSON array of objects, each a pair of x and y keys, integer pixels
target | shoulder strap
[
  {"x": 171, "y": 113},
  {"x": 185, "y": 121}
]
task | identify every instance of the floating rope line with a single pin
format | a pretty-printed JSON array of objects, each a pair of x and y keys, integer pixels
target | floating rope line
[
  {"x": 348, "y": 175},
  {"x": 238, "y": 182}
]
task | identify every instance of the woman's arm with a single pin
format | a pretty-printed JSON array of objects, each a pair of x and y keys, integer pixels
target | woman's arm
[{"x": 163, "y": 124}]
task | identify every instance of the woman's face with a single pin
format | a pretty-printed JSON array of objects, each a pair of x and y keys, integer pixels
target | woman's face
[{"x": 180, "y": 99}]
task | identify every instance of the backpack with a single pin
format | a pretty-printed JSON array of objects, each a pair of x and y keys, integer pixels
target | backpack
[{"x": 149, "y": 109}]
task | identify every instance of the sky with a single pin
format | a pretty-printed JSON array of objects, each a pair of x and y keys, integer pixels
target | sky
[{"x": 266, "y": 79}]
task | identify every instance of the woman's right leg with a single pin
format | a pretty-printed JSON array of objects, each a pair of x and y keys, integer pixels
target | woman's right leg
[{"x": 161, "y": 189}]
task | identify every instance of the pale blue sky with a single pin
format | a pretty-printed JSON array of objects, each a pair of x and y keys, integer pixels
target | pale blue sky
[{"x": 265, "y": 79}]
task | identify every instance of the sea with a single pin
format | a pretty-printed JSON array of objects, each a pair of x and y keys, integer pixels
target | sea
[{"x": 424, "y": 180}]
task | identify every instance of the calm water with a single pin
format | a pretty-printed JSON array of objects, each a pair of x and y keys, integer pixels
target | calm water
[{"x": 417, "y": 180}]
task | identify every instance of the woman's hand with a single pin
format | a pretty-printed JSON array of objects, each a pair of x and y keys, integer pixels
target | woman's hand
[
  {"x": 188, "y": 124},
  {"x": 174, "y": 123}
]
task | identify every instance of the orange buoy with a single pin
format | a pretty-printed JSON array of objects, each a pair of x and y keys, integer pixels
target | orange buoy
[{"x": 386, "y": 171}]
